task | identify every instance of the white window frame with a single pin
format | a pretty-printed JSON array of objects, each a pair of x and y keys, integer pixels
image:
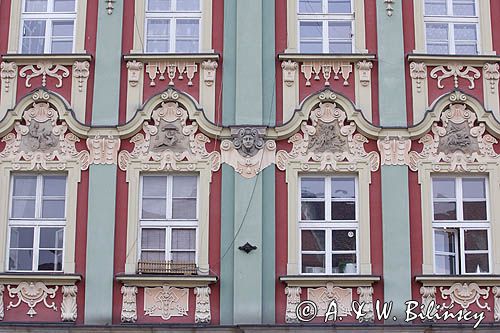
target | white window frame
[
  {"x": 169, "y": 223},
  {"x": 325, "y": 18},
  {"x": 328, "y": 226},
  {"x": 460, "y": 225},
  {"x": 37, "y": 222},
  {"x": 49, "y": 17}
]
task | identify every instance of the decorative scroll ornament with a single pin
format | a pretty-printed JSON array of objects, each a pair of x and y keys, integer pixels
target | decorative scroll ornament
[
  {"x": 170, "y": 140},
  {"x": 428, "y": 298},
  {"x": 496, "y": 294},
  {"x": 129, "y": 304},
  {"x": 418, "y": 72},
  {"x": 134, "y": 70},
  {"x": 388, "y": 7},
  {"x": 456, "y": 71},
  {"x": 41, "y": 139},
  {"x": 175, "y": 69},
  {"x": 289, "y": 69},
  {"x": 457, "y": 141},
  {"x": 491, "y": 74},
  {"x": 2, "y": 314},
  {"x": 292, "y": 301},
  {"x": 247, "y": 152},
  {"x": 323, "y": 296},
  {"x": 366, "y": 298},
  {"x": 209, "y": 68},
  {"x": 68, "y": 305},
  {"x": 32, "y": 293},
  {"x": 202, "y": 313},
  {"x": 394, "y": 151},
  {"x": 44, "y": 69},
  {"x": 327, "y": 68},
  {"x": 364, "y": 71},
  {"x": 327, "y": 141},
  {"x": 465, "y": 295},
  {"x": 103, "y": 150},
  {"x": 8, "y": 71},
  {"x": 166, "y": 302},
  {"x": 81, "y": 73}
]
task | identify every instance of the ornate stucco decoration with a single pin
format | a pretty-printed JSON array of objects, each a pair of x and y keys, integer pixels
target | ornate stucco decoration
[
  {"x": 491, "y": 74},
  {"x": 44, "y": 69},
  {"x": 81, "y": 73},
  {"x": 428, "y": 297},
  {"x": 323, "y": 296},
  {"x": 166, "y": 302},
  {"x": 209, "y": 68},
  {"x": 388, "y": 7},
  {"x": 173, "y": 69},
  {"x": 247, "y": 152},
  {"x": 2, "y": 314},
  {"x": 68, "y": 305},
  {"x": 455, "y": 71},
  {"x": 32, "y": 293},
  {"x": 292, "y": 301},
  {"x": 366, "y": 298},
  {"x": 394, "y": 151},
  {"x": 170, "y": 139},
  {"x": 465, "y": 295},
  {"x": 289, "y": 69},
  {"x": 8, "y": 71},
  {"x": 364, "y": 71},
  {"x": 496, "y": 294},
  {"x": 42, "y": 139},
  {"x": 134, "y": 69},
  {"x": 456, "y": 141},
  {"x": 327, "y": 68},
  {"x": 110, "y": 6},
  {"x": 418, "y": 72},
  {"x": 202, "y": 313},
  {"x": 103, "y": 149},
  {"x": 327, "y": 140},
  {"x": 129, "y": 304}
]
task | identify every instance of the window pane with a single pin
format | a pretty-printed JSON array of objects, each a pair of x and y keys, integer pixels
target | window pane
[
  {"x": 473, "y": 188},
  {"x": 34, "y": 28},
  {"x": 466, "y": 49},
  {"x": 21, "y": 260},
  {"x": 443, "y": 188},
  {"x": 154, "y": 186},
  {"x": 313, "y": 240},
  {"x": 445, "y": 211},
  {"x": 50, "y": 260},
  {"x": 33, "y": 45},
  {"x": 188, "y": 5},
  {"x": 183, "y": 239},
  {"x": 157, "y": 46},
  {"x": 445, "y": 264},
  {"x": 311, "y": 47},
  {"x": 54, "y": 186},
  {"x": 474, "y": 211},
  {"x": 464, "y": 8},
  {"x": 476, "y": 240},
  {"x": 437, "y": 48},
  {"x": 184, "y": 208},
  {"x": 313, "y": 263},
  {"x": 51, "y": 238},
  {"x": 343, "y": 240},
  {"x": 310, "y": 6},
  {"x": 188, "y": 257},
  {"x": 64, "y": 5},
  {"x": 339, "y": 30},
  {"x": 313, "y": 211},
  {"x": 343, "y": 188},
  {"x": 158, "y": 28},
  {"x": 339, "y": 6},
  {"x": 477, "y": 263},
  {"x": 444, "y": 241},
  {"x": 35, "y": 6},
  {"x": 312, "y": 187},
  {"x": 343, "y": 210},
  {"x": 152, "y": 256},
  {"x": 53, "y": 208},
  {"x": 62, "y": 46},
  {"x": 465, "y": 32},
  {"x": 21, "y": 238},
  {"x": 311, "y": 30},
  {"x": 62, "y": 29},
  {"x": 159, "y": 5},
  {"x": 435, "y": 7},
  {"x": 154, "y": 209},
  {"x": 153, "y": 239},
  {"x": 187, "y": 28},
  {"x": 24, "y": 186},
  {"x": 340, "y": 47},
  {"x": 344, "y": 263},
  {"x": 184, "y": 186},
  {"x": 186, "y": 46},
  {"x": 23, "y": 208}
]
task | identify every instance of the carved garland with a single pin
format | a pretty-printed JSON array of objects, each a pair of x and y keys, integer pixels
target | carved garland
[{"x": 32, "y": 293}]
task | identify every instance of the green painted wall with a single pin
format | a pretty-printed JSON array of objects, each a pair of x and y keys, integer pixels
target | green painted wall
[{"x": 99, "y": 274}]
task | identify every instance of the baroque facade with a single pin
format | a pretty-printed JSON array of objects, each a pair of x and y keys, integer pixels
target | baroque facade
[{"x": 206, "y": 164}]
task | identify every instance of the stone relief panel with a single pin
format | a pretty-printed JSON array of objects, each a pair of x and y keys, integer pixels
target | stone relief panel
[
  {"x": 166, "y": 302},
  {"x": 466, "y": 294},
  {"x": 292, "y": 301},
  {"x": 129, "y": 304},
  {"x": 323, "y": 296},
  {"x": 32, "y": 293},
  {"x": 328, "y": 140}
]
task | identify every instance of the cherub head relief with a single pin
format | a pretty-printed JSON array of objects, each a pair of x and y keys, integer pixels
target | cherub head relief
[{"x": 248, "y": 142}]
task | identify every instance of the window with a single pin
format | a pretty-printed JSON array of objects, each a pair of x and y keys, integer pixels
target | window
[
  {"x": 173, "y": 26},
  {"x": 169, "y": 219},
  {"x": 48, "y": 26},
  {"x": 461, "y": 225},
  {"x": 328, "y": 225},
  {"x": 36, "y": 222},
  {"x": 451, "y": 26},
  {"x": 325, "y": 26}
]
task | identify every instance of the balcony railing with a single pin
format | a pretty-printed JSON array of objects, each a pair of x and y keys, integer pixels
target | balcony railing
[{"x": 166, "y": 267}]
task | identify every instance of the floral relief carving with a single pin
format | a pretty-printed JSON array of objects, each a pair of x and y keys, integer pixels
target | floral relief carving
[
  {"x": 44, "y": 69},
  {"x": 41, "y": 139},
  {"x": 465, "y": 295},
  {"x": 134, "y": 70},
  {"x": 68, "y": 305},
  {"x": 103, "y": 149},
  {"x": 327, "y": 69},
  {"x": 129, "y": 304},
  {"x": 455, "y": 71},
  {"x": 247, "y": 152},
  {"x": 364, "y": 71},
  {"x": 491, "y": 73},
  {"x": 418, "y": 72},
  {"x": 2, "y": 313},
  {"x": 81, "y": 73},
  {"x": 366, "y": 298},
  {"x": 202, "y": 313},
  {"x": 170, "y": 140},
  {"x": 292, "y": 301},
  {"x": 323, "y": 296},
  {"x": 394, "y": 151},
  {"x": 32, "y": 293},
  {"x": 289, "y": 69},
  {"x": 173, "y": 70},
  {"x": 496, "y": 294},
  {"x": 327, "y": 140},
  {"x": 8, "y": 71},
  {"x": 166, "y": 302},
  {"x": 428, "y": 298},
  {"x": 209, "y": 70}
]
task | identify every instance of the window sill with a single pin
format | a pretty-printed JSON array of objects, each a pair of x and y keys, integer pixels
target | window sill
[
  {"x": 440, "y": 59},
  {"x": 47, "y": 278},
  {"x": 196, "y": 57},
  {"x": 153, "y": 280},
  {"x": 351, "y": 57},
  {"x": 449, "y": 280},
  {"x": 62, "y": 59},
  {"x": 337, "y": 280}
]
